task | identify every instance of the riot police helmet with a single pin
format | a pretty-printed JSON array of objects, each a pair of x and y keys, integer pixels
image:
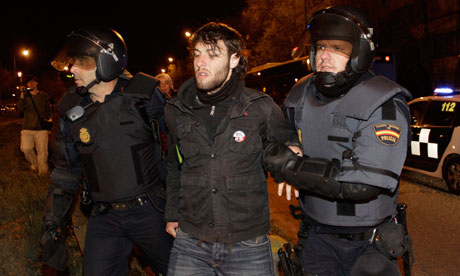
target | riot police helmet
[
  {"x": 105, "y": 45},
  {"x": 348, "y": 24}
]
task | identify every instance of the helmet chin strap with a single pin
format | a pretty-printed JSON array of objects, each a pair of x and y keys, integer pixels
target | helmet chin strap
[
  {"x": 335, "y": 84},
  {"x": 82, "y": 90}
]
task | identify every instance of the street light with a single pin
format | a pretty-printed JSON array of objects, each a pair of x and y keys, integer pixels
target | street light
[
  {"x": 20, "y": 76},
  {"x": 188, "y": 34},
  {"x": 24, "y": 53}
]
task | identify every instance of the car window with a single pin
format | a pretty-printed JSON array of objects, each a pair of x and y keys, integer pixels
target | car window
[
  {"x": 417, "y": 110},
  {"x": 440, "y": 113}
]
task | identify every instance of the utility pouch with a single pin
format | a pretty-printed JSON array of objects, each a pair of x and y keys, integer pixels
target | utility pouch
[{"x": 392, "y": 240}]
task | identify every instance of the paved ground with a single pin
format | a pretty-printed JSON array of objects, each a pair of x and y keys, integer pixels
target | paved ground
[{"x": 433, "y": 220}]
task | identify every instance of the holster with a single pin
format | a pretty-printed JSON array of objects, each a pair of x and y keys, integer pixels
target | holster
[{"x": 392, "y": 240}]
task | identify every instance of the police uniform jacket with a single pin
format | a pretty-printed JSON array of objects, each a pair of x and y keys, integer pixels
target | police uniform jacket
[
  {"x": 216, "y": 186},
  {"x": 111, "y": 144},
  {"x": 366, "y": 131}
]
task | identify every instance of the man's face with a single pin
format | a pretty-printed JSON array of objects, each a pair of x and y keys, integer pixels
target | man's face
[
  {"x": 84, "y": 70},
  {"x": 32, "y": 84},
  {"x": 213, "y": 65},
  {"x": 332, "y": 55}
]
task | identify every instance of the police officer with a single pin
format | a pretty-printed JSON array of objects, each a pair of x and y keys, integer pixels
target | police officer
[
  {"x": 354, "y": 130},
  {"x": 107, "y": 134}
]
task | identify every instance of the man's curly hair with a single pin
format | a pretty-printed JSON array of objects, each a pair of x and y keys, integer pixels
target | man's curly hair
[{"x": 211, "y": 32}]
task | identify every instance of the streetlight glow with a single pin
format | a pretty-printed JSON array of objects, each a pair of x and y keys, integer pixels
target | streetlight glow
[
  {"x": 188, "y": 34},
  {"x": 25, "y": 53},
  {"x": 163, "y": 70},
  {"x": 170, "y": 59}
]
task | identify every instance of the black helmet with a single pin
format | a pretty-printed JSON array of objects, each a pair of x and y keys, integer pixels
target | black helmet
[
  {"x": 343, "y": 23},
  {"x": 105, "y": 45}
]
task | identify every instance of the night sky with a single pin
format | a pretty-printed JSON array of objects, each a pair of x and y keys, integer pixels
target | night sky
[{"x": 152, "y": 34}]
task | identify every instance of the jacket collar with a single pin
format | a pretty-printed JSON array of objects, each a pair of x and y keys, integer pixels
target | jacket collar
[{"x": 187, "y": 99}]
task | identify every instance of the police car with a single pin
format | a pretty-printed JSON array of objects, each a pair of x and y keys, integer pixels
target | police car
[{"x": 435, "y": 145}]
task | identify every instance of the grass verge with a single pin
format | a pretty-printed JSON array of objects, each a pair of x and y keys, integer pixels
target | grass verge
[{"x": 23, "y": 195}]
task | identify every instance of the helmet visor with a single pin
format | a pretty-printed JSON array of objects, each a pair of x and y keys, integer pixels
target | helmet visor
[
  {"x": 78, "y": 50},
  {"x": 332, "y": 26}
]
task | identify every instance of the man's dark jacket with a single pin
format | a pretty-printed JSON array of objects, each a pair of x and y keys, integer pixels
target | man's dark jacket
[
  {"x": 216, "y": 186},
  {"x": 42, "y": 103}
]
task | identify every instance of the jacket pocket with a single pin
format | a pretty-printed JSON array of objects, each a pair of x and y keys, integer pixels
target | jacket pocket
[
  {"x": 194, "y": 199},
  {"x": 247, "y": 198},
  {"x": 246, "y": 136},
  {"x": 186, "y": 139}
]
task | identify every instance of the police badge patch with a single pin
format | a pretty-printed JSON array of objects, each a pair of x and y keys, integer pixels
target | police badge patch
[
  {"x": 387, "y": 134},
  {"x": 84, "y": 135}
]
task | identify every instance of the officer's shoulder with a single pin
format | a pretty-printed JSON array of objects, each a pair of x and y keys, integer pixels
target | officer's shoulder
[
  {"x": 68, "y": 100},
  {"x": 384, "y": 85},
  {"x": 297, "y": 91},
  {"x": 141, "y": 85}
]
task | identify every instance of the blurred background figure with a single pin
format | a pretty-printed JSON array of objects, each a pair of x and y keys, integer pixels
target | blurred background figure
[
  {"x": 166, "y": 85},
  {"x": 35, "y": 105}
]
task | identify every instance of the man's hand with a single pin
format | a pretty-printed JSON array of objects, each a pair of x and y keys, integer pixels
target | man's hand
[
  {"x": 281, "y": 185},
  {"x": 172, "y": 227},
  {"x": 288, "y": 190}
]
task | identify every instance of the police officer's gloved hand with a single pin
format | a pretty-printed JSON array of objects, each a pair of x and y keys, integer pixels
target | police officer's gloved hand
[
  {"x": 55, "y": 251},
  {"x": 277, "y": 157},
  {"x": 50, "y": 232}
]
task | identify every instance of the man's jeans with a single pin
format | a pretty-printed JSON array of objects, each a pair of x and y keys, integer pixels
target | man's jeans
[
  {"x": 189, "y": 256},
  {"x": 37, "y": 139}
]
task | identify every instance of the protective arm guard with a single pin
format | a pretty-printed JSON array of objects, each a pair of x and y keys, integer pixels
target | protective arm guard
[
  {"x": 58, "y": 205},
  {"x": 315, "y": 175},
  {"x": 318, "y": 176}
]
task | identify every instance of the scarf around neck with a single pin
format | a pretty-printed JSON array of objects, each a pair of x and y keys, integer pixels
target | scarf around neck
[{"x": 228, "y": 90}]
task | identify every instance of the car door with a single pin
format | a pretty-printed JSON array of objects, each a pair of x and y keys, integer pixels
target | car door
[{"x": 432, "y": 128}]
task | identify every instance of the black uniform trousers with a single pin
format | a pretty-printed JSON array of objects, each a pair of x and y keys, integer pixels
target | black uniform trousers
[
  {"x": 110, "y": 238},
  {"x": 327, "y": 255}
]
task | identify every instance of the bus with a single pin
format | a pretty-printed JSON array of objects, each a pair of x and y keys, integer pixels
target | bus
[{"x": 277, "y": 78}]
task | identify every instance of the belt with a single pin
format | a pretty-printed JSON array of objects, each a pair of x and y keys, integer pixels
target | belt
[
  {"x": 137, "y": 201},
  {"x": 368, "y": 235}
]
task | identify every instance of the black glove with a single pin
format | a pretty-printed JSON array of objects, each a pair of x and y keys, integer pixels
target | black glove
[
  {"x": 56, "y": 253},
  {"x": 276, "y": 157}
]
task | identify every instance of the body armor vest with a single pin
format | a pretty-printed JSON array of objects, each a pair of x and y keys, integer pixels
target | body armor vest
[
  {"x": 117, "y": 149},
  {"x": 327, "y": 129}
]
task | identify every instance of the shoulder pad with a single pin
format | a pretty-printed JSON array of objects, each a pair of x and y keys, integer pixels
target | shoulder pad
[
  {"x": 297, "y": 94},
  {"x": 69, "y": 100},
  {"x": 141, "y": 86},
  {"x": 366, "y": 97}
]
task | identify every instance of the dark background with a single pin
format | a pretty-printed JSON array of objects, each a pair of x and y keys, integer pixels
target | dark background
[{"x": 152, "y": 30}]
